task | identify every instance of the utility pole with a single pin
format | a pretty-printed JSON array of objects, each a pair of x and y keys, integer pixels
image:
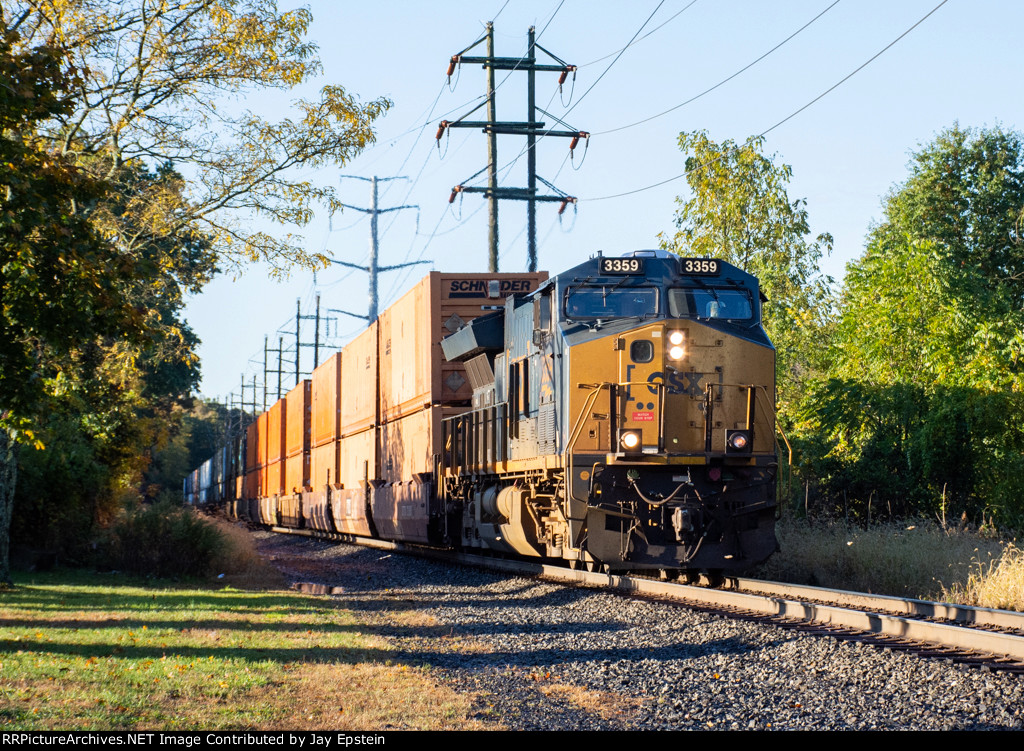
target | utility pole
[
  {"x": 299, "y": 344},
  {"x": 374, "y": 269},
  {"x": 492, "y": 127},
  {"x": 280, "y": 350},
  {"x": 266, "y": 371},
  {"x": 265, "y": 350}
]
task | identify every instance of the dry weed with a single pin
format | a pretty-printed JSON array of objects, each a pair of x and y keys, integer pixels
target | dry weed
[
  {"x": 240, "y": 565},
  {"x": 999, "y": 583},
  {"x": 913, "y": 559},
  {"x": 606, "y": 705}
]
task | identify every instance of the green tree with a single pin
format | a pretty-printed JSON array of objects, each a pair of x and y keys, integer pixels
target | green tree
[
  {"x": 739, "y": 211},
  {"x": 59, "y": 278},
  {"x": 130, "y": 177},
  {"x": 938, "y": 296},
  {"x": 928, "y": 382}
]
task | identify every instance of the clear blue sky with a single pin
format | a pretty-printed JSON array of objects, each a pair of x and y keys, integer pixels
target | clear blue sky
[{"x": 847, "y": 150}]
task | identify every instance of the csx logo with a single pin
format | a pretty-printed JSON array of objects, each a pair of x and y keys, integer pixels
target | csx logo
[{"x": 679, "y": 382}]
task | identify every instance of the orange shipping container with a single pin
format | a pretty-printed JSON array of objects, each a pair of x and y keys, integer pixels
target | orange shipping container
[
  {"x": 413, "y": 371},
  {"x": 326, "y": 402},
  {"x": 251, "y": 439},
  {"x": 297, "y": 418},
  {"x": 408, "y": 444},
  {"x": 323, "y": 466},
  {"x": 261, "y": 439},
  {"x": 274, "y": 484},
  {"x": 252, "y": 484},
  {"x": 357, "y": 476},
  {"x": 359, "y": 380},
  {"x": 276, "y": 419},
  {"x": 357, "y": 459},
  {"x": 296, "y": 473}
]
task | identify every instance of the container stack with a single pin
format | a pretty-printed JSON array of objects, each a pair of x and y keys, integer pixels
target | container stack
[
  {"x": 354, "y": 449},
  {"x": 295, "y": 462},
  {"x": 357, "y": 447},
  {"x": 326, "y": 430},
  {"x": 418, "y": 388},
  {"x": 273, "y": 474}
]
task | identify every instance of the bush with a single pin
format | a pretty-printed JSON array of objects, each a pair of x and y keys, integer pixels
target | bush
[{"x": 163, "y": 540}]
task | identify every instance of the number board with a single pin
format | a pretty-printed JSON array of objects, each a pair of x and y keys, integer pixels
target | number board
[
  {"x": 700, "y": 266},
  {"x": 622, "y": 266}
]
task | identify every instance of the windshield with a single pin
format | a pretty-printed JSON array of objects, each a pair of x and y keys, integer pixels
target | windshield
[
  {"x": 710, "y": 302},
  {"x": 609, "y": 301}
]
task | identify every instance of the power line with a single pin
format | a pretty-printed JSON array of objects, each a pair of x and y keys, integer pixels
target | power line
[
  {"x": 671, "y": 18},
  {"x": 787, "y": 118},
  {"x": 723, "y": 81},
  {"x": 374, "y": 269},
  {"x": 531, "y": 146},
  {"x": 492, "y": 127}
]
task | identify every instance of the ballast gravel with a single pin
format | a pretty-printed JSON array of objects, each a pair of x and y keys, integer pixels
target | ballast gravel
[{"x": 537, "y": 656}]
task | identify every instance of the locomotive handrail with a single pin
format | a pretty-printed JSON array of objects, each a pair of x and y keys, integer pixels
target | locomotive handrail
[
  {"x": 587, "y": 406},
  {"x": 577, "y": 429},
  {"x": 759, "y": 389},
  {"x": 789, "y": 448}
]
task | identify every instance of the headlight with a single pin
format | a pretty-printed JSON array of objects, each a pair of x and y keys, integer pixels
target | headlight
[
  {"x": 675, "y": 338},
  {"x": 630, "y": 440},
  {"x": 676, "y": 353},
  {"x": 737, "y": 441}
]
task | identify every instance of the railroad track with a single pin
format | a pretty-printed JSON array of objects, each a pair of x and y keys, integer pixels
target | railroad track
[{"x": 984, "y": 637}]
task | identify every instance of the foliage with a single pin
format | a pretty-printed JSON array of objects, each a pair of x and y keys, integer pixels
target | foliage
[
  {"x": 155, "y": 87},
  {"x": 939, "y": 293},
  {"x": 936, "y": 450},
  {"x": 58, "y": 275},
  {"x": 739, "y": 211},
  {"x": 60, "y": 279},
  {"x": 926, "y": 397},
  {"x": 163, "y": 540},
  {"x": 916, "y": 558},
  {"x": 194, "y": 434},
  {"x": 129, "y": 178},
  {"x": 997, "y": 583}
]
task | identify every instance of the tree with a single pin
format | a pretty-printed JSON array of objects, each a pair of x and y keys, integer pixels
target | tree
[
  {"x": 155, "y": 86},
  {"x": 130, "y": 176},
  {"x": 59, "y": 278},
  {"x": 928, "y": 383},
  {"x": 739, "y": 211},
  {"x": 938, "y": 296}
]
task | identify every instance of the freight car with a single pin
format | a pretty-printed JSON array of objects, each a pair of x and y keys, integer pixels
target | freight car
[{"x": 619, "y": 415}]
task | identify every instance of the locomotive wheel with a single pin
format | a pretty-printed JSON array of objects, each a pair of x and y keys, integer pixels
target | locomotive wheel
[{"x": 715, "y": 577}]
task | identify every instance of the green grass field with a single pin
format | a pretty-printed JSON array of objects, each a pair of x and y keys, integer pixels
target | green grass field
[{"x": 96, "y": 651}]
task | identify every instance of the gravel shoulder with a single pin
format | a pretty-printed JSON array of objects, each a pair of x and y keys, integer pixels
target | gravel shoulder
[{"x": 536, "y": 656}]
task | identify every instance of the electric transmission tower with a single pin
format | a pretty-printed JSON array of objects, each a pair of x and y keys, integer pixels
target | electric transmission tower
[
  {"x": 374, "y": 269},
  {"x": 492, "y": 127}
]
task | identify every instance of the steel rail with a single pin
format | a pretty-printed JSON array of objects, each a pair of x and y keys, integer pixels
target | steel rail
[
  {"x": 976, "y": 616},
  {"x": 775, "y": 600}
]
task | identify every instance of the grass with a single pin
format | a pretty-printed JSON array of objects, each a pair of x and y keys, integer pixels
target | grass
[
  {"x": 913, "y": 559},
  {"x": 95, "y": 651},
  {"x": 997, "y": 583}
]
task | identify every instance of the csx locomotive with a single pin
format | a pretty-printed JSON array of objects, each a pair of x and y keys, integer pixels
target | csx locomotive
[{"x": 617, "y": 416}]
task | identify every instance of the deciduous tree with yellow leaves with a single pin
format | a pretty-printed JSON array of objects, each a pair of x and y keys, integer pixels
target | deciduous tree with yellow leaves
[{"x": 137, "y": 108}]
